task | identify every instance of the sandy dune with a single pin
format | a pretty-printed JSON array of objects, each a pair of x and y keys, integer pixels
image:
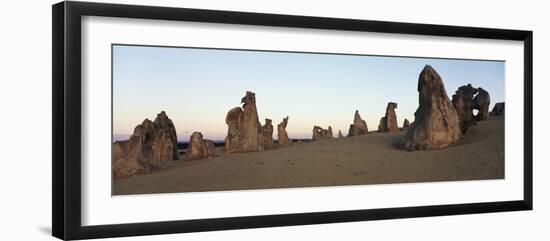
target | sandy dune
[{"x": 368, "y": 159}]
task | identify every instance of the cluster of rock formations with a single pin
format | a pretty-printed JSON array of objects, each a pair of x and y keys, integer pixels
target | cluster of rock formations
[
  {"x": 388, "y": 123},
  {"x": 320, "y": 134},
  {"x": 436, "y": 124},
  {"x": 439, "y": 122},
  {"x": 245, "y": 132},
  {"x": 359, "y": 126},
  {"x": 152, "y": 141}
]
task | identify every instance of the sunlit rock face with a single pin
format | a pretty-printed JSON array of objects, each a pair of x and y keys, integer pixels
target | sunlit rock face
[
  {"x": 436, "y": 124},
  {"x": 388, "y": 123},
  {"x": 359, "y": 126},
  {"x": 199, "y": 148},
  {"x": 152, "y": 141},
  {"x": 233, "y": 138},
  {"x": 126, "y": 165},
  {"x": 282, "y": 135},
  {"x": 245, "y": 132},
  {"x": 165, "y": 143},
  {"x": 319, "y": 133}
]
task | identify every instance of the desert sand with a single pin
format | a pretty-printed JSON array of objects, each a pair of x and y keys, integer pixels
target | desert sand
[{"x": 356, "y": 160}]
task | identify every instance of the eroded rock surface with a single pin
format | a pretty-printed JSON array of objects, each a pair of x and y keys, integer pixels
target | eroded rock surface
[
  {"x": 388, "y": 123},
  {"x": 245, "y": 132},
  {"x": 463, "y": 102},
  {"x": 152, "y": 141},
  {"x": 165, "y": 145},
  {"x": 282, "y": 135},
  {"x": 233, "y": 121},
  {"x": 481, "y": 104},
  {"x": 359, "y": 126},
  {"x": 436, "y": 124},
  {"x": 199, "y": 148},
  {"x": 319, "y": 133},
  {"x": 267, "y": 131},
  {"x": 125, "y": 165}
]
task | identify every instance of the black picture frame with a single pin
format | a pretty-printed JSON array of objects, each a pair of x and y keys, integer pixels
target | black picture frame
[{"x": 66, "y": 127}]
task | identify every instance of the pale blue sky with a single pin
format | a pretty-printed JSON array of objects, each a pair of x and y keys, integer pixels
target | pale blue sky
[{"x": 197, "y": 87}]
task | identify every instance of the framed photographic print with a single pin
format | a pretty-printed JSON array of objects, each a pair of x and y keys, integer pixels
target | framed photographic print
[{"x": 169, "y": 120}]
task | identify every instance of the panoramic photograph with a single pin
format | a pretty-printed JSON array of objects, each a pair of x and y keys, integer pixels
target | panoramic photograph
[{"x": 200, "y": 119}]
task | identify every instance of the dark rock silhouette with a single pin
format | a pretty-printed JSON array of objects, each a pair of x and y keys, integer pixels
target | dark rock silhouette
[
  {"x": 481, "y": 104},
  {"x": 359, "y": 126},
  {"x": 498, "y": 109},
  {"x": 388, "y": 123},
  {"x": 320, "y": 133},
  {"x": 244, "y": 129},
  {"x": 436, "y": 123},
  {"x": 151, "y": 142},
  {"x": 463, "y": 102},
  {"x": 267, "y": 131},
  {"x": 282, "y": 136},
  {"x": 199, "y": 148},
  {"x": 406, "y": 123}
]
